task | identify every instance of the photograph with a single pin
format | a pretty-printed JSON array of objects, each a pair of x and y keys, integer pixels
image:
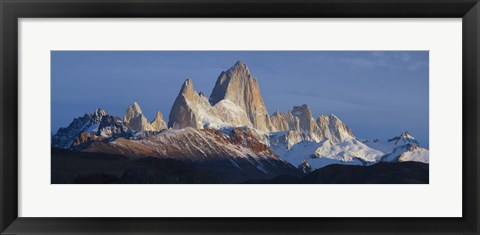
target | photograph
[{"x": 239, "y": 117}]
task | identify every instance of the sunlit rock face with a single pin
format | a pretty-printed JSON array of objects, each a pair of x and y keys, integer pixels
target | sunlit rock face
[
  {"x": 331, "y": 127},
  {"x": 135, "y": 120},
  {"x": 238, "y": 86},
  {"x": 192, "y": 109},
  {"x": 158, "y": 123}
]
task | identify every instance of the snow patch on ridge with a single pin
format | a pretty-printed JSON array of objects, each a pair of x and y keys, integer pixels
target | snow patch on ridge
[{"x": 350, "y": 151}]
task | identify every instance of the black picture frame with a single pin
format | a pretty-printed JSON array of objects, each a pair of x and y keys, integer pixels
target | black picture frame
[{"x": 12, "y": 10}]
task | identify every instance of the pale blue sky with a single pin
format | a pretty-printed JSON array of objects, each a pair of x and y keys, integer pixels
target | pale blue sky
[{"x": 378, "y": 94}]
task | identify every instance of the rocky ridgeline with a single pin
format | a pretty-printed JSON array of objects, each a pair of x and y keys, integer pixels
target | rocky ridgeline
[
  {"x": 102, "y": 126},
  {"x": 136, "y": 121},
  {"x": 192, "y": 109},
  {"x": 66, "y": 136},
  {"x": 236, "y": 103}
]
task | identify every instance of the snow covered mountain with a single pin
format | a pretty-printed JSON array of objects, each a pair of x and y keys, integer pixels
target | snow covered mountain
[
  {"x": 321, "y": 142},
  {"x": 235, "y": 153},
  {"x": 235, "y": 101},
  {"x": 100, "y": 126},
  {"x": 400, "y": 149},
  {"x": 89, "y": 123},
  {"x": 345, "y": 150},
  {"x": 232, "y": 134},
  {"x": 331, "y": 127},
  {"x": 299, "y": 125},
  {"x": 325, "y": 152},
  {"x": 111, "y": 126}
]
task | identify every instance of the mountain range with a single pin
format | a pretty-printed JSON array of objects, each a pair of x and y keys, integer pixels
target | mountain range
[{"x": 232, "y": 136}]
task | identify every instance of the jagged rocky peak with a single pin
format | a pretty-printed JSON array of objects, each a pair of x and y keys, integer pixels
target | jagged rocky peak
[
  {"x": 331, "y": 127},
  {"x": 132, "y": 112},
  {"x": 401, "y": 148},
  {"x": 284, "y": 122},
  {"x": 158, "y": 123},
  {"x": 298, "y": 124},
  {"x": 406, "y": 135},
  {"x": 98, "y": 114},
  {"x": 306, "y": 121},
  {"x": 240, "y": 65},
  {"x": 404, "y": 138},
  {"x": 89, "y": 122},
  {"x": 279, "y": 122},
  {"x": 301, "y": 126},
  {"x": 192, "y": 109},
  {"x": 239, "y": 69},
  {"x": 140, "y": 123},
  {"x": 241, "y": 88},
  {"x": 187, "y": 88},
  {"x": 111, "y": 126},
  {"x": 182, "y": 113},
  {"x": 135, "y": 120},
  {"x": 302, "y": 110}
]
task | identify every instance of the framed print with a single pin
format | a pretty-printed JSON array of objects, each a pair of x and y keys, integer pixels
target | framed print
[{"x": 239, "y": 117}]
